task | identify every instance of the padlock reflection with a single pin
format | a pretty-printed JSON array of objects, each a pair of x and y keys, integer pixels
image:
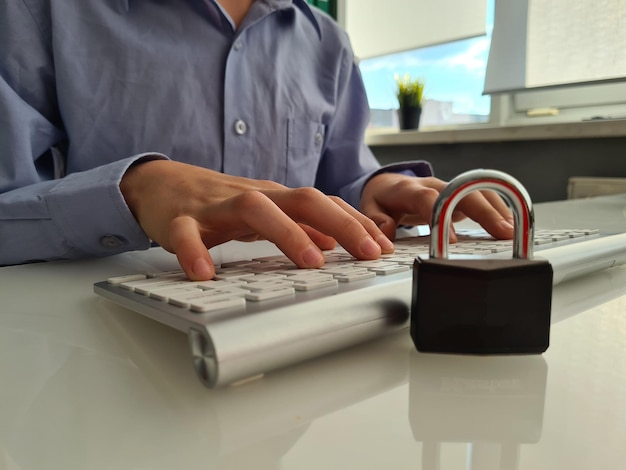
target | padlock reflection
[{"x": 493, "y": 404}]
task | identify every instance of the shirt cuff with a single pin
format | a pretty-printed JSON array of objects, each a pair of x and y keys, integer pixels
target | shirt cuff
[
  {"x": 419, "y": 168},
  {"x": 90, "y": 211}
]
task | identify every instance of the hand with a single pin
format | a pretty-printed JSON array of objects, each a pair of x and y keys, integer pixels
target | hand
[
  {"x": 392, "y": 199},
  {"x": 187, "y": 209}
]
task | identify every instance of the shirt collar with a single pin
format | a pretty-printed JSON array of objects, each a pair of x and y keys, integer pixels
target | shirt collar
[
  {"x": 123, "y": 5},
  {"x": 287, "y": 5}
]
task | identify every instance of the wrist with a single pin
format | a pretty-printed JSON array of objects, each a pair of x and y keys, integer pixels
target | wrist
[{"x": 133, "y": 181}]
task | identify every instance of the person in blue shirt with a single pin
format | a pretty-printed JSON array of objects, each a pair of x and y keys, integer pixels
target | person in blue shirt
[{"x": 190, "y": 124}]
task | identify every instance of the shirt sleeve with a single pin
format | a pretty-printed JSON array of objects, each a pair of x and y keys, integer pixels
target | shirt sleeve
[
  {"x": 348, "y": 163},
  {"x": 44, "y": 216}
]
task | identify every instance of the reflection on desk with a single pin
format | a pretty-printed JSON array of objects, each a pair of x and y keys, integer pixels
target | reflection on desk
[
  {"x": 493, "y": 404},
  {"x": 256, "y": 421}
]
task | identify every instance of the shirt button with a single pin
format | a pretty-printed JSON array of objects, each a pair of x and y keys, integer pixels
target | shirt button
[
  {"x": 319, "y": 138},
  {"x": 240, "y": 127},
  {"x": 112, "y": 241},
  {"x": 238, "y": 45}
]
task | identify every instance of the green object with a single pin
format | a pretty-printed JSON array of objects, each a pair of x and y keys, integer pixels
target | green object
[
  {"x": 409, "y": 91},
  {"x": 327, "y": 6}
]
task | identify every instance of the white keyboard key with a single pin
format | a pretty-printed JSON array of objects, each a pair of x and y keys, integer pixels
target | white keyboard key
[
  {"x": 132, "y": 285},
  {"x": 314, "y": 285},
  {"x": 237, "y": 275},
  {"x": 235, "y": 264},
  {"x": 374, "y": 264},
  {"x": 311, "y": 277},
  {"x": 204, "y": 305},
  {"x": 297, "y": 272},
  {"x": 232, "y": 269},
  {"x": 356, "y": 276},
  {"x": 350, "y": 268},
  {"x": 266, "y": 277},
  {"x": 390, "y": 269},
  {"x": 147, "y": 289},
  {"x": 213, "y": 284},
  {"x": 288, "y": 265},
  {"x": 270, "y": 294},
  {"x": 166, "y": 273},
  {"x": 576, "y": 233},
  {"x": 266, "y": 285},
  {"x": 185, "y": 300},
  {"x": 407, "y": 260},
  {"x": 338, "y": 265},
  {"x": 266, "y": 267},
  {"x": 128, "y": 278},
  {"x": 337, "y": 258},
  {"x": 164, "y": 294},
  {"x": 234, "y": 291}
]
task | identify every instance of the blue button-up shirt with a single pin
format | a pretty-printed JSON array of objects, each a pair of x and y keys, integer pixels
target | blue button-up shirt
[{"x": 89, "y": 87}]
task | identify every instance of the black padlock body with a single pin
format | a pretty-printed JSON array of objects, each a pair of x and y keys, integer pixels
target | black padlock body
[{"x": 479, "y": 306}]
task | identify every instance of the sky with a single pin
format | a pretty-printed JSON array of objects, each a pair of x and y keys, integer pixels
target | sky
[{"x": 452, "y": 72}]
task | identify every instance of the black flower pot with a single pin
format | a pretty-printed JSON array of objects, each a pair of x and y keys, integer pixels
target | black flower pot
[{"x": 409, "y": 117}]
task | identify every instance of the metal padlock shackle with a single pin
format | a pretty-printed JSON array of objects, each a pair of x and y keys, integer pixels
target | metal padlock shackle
[{"x": 507, "y": 186}]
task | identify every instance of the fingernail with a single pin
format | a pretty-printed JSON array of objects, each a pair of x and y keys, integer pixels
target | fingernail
[
  {"x": 202, "y": 268},
  {"x": 508, "y": 224},
  {"x": 312, "y": 257},
  {"x": 370, "y": 248}
]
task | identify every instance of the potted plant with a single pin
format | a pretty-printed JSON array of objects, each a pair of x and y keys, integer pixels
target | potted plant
[{"x": 410, "y": 93}]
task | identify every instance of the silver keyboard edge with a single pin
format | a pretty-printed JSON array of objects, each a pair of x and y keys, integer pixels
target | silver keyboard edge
[
  {"x": 260, "y": 342},
  {"x": 600, "y": 253}
]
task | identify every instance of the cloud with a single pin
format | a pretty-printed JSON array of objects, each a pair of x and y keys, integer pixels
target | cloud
[
  {"x": 471, "y": 55},
  {"x": 472, "y": 58}
]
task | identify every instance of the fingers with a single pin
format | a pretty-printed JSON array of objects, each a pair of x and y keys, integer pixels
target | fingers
[
  {"x": 498, "y": 204},
  {"x": 300, "y": 222},
  {"x": 410, "y": 201},
  {"x": 407, "y": 200},
  {"x": 252, "y": 212},
  {"x": 187, "y": 209},
  {"x": 265, "y": 217},
  {"x": 490, "y": 211},
  {"x": 372, "y": 228},
  {"x": 324, "y": 242},
  {"x": 391, "y": 200},
  {"x": 190, "y": 250},
  {"x": 384, "y": 222}
]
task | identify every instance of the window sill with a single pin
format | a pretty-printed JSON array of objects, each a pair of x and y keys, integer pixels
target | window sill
[{"x": 486, "y": 133}]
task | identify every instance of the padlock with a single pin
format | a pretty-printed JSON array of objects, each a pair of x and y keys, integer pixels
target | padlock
[{"x": 480, "y": 305}]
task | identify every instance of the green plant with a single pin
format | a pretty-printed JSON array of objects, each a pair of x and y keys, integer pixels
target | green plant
[{"x": 409, "y": 92}]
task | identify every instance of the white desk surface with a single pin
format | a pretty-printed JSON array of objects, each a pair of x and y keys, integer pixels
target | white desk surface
[{"x": 85, "y": 384}]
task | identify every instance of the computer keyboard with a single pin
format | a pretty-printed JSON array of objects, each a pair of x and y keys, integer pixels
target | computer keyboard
[
  {"x": 266, "y": 278},
  {"x": 262, "y": 313}
]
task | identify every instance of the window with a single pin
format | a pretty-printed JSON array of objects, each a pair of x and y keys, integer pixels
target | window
[
  {"x": 524, "y": 93},
  {"x": 558, "y": 61},
  {"x": 454, "y": 73}
]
